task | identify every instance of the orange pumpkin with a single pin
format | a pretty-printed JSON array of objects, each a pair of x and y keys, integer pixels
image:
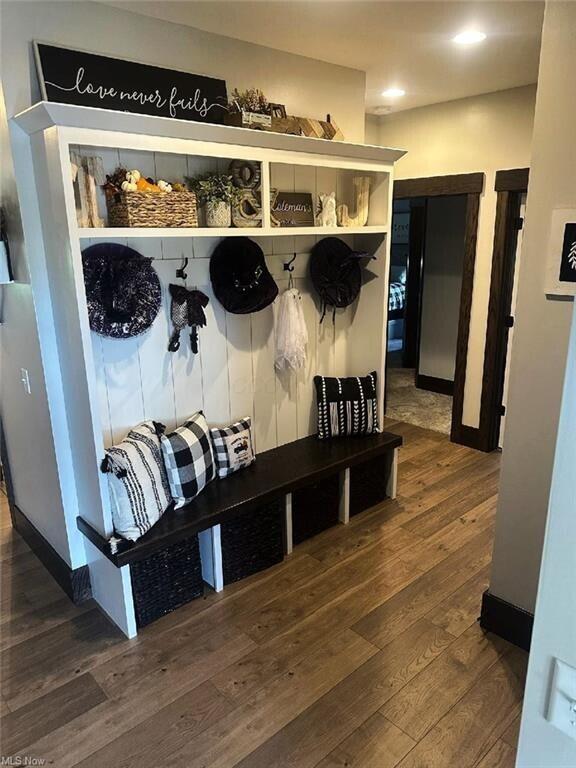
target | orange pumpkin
[{"x": 143, "y": 185}]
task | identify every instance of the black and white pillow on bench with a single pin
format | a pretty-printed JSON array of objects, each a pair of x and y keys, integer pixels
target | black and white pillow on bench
[
  {"x": 139, "y": 491},
  {"x": 233, "y": 447},
  {"x": 189, "y": 459},
  {"x": 346, "y": 406}
]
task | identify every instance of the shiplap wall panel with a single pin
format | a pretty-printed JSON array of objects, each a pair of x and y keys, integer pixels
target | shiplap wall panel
[
  {"x": 155, "y": 361},
  {"x": 214, "y": 357},
  {"x": 265, "y": 414},
  {"x": 233, "y": 375},
  {"x": 286, "y": 392},
  {"x": 240, "y": 372},
  {"x": 305, "y": 393}
]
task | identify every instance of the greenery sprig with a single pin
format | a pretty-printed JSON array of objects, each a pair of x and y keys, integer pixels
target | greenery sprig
[
  {"x": 250, "y": 100},
  {"x": 214, "y": 187}
]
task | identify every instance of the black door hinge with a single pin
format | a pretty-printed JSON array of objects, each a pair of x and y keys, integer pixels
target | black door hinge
[
  {"x": 509, "y": 321},
  {"x": 519, "y": 222},
  {"x": 502, "y": 410}
]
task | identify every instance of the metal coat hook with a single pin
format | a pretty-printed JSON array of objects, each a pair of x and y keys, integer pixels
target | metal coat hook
[
  {"x": 289, "y": 268},
  {"x": 180, "y": 272}
]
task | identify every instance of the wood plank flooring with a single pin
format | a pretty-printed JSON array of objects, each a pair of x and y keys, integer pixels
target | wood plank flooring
[{"x": 361, "y": 650}]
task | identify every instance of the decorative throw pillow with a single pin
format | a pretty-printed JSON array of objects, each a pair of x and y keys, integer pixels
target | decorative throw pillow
[
  {"x": 233, "y": 447},
  {"x": 346, "y": 406},
  {"x": 139, "y": 492},
  {"x": 189, "y": 459}
]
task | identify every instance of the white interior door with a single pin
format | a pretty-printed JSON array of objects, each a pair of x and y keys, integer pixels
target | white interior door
[{"x": 511, "y": 331}]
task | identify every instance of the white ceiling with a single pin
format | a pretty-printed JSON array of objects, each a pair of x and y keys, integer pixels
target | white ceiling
[{"x": 402, "y": 44}]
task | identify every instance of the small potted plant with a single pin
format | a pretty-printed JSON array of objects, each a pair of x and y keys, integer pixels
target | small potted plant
[{"x": 216, "y": 192}]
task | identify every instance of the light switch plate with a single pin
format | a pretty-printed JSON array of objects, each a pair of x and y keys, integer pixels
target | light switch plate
[
  {"x": 562, "y": 704},
  {"x": 25, "y": 379}
]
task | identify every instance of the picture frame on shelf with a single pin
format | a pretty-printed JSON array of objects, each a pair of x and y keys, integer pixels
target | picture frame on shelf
[
  {"x": 561, "y": 268},
  {"x": 291, "y": 209},
  {"x": 278, "y": 111}
]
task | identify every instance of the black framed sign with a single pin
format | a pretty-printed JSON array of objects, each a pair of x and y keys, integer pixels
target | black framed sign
[
  {"x": 561, "y": 271},
  {"x": 292, "y": 209},
  {"x": 568, "y": 255},
  {"x": 90, "y": 80}
]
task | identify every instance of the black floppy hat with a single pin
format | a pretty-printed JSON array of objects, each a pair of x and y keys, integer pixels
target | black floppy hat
[
  {"x": 240, "y": 278},
  {"x": 123, "y": 291},
  {"x": 336, "y": 272}
]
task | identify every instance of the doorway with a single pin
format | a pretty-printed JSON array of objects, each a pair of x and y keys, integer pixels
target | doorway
[
  {"x": 511, "y": 187},
  {"x": 426, "y": 267},
  {"x": 433, "y": 246}
]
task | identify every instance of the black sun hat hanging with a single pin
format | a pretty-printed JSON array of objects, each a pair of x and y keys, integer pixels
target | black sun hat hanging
[
  {"x": 336, "y": 273},
  {"x": 240, "y": 278},
  {"x": 123, "y": 291}
]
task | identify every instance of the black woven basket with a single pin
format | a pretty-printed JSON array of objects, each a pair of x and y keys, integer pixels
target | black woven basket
[
  {"x": 166, "y": 580},
  {"x": 315, "y": 508},
  {"x": 252, "y": 542},
  {"x": 368, "y": 484}
]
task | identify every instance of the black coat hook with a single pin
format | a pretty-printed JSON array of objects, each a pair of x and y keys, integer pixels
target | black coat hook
[
  {"x": 288, "y": 265},
  {"x": 180, "y": 272}
]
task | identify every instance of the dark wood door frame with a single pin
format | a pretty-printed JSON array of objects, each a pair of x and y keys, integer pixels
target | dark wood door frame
[
  {"x": 414, "y": 285},
  {"x": 510, "y": 186},
  {"x": 471, "y": 185}
]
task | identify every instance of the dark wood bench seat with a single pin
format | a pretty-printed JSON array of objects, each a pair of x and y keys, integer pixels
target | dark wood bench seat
[{"x": 274, "y": 474}]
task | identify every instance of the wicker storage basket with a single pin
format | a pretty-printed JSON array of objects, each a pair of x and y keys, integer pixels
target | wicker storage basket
[
  {"x": 151, "y": 209},
  {"x": 315, "y": 508},
  {"x": 166, "y": 580},
  {"x": 252, "y": 542},
  {"x": 368, "y": 484}
]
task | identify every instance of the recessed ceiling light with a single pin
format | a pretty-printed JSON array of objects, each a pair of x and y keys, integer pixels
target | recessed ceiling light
[
  {"x": 469, "y": 38},
  {"x": 393, "y": 93}
]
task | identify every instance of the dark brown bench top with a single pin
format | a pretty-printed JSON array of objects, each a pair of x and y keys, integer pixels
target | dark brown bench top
[{"x": 274, "y": 473}]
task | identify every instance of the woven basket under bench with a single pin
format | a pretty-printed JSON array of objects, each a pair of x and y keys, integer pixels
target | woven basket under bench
[
  {"x": 166, "y": 580},
  {"x": 152, "y": 209},
  {"x": 250, "y": 543}
]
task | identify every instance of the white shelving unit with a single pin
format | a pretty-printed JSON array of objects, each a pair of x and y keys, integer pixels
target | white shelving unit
[{"x": 98, "y": 388}]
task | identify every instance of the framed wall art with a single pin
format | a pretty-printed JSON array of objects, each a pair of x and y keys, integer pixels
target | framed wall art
[
  {"x": 71, "y": 76},
  {"x": 561, "y": 271}
]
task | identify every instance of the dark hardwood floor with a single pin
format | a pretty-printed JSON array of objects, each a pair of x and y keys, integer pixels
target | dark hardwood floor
[{"x": 360, "y": 650}]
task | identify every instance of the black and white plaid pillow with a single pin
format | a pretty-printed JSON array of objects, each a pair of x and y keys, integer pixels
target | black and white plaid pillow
[
  {"x": 233, "y": 447},
  {"x": 189, "y": 459},
  {"x": 346, "y": 406}
]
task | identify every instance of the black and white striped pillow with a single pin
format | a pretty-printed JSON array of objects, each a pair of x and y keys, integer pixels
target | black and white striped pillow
[
  {"x": 233, "y": 447},
  {"x": 139, "y": 492},
  {"x": 189, "y": 459},
  {"x": 346, "y": 406}
]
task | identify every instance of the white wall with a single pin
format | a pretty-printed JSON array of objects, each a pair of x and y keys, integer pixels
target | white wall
[
  {"x": 542, "y": 325},
  {"x": 442, "y": 283},
  {"x": 554, "y": 636},
  {"x": 305, "y": 86},
  {"x": 483, "y": 133},
  {"x": 26, "y": 417}
]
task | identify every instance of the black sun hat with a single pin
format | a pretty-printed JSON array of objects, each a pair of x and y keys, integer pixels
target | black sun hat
[
  {"x": 240, "y": 278},
  {"x": 336, "y": 272},
  {"x": 123, "y": 291}
]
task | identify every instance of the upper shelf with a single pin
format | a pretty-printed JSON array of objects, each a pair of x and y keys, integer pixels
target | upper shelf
[
  {"x": 45, "y": 114},
  {"x": 166, "y": 232}
]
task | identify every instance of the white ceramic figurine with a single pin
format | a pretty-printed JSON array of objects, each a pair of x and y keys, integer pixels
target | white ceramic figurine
[{"x": 327, "y": 215}]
